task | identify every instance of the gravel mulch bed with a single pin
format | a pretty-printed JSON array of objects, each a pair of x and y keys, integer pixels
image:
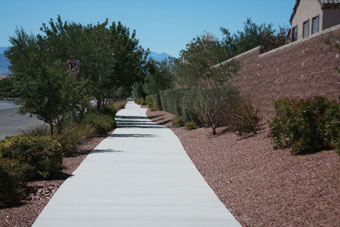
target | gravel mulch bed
[
  {"x": 40, "y": 192},
  {"x": 262, "y": 186}
]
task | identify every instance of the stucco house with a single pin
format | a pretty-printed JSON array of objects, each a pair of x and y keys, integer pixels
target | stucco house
[
  {"x": 3, "y": 77},
  {"x": 312, "y": 16}
]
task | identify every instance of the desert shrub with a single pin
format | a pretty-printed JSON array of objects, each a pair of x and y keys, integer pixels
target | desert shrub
[
  {"x": 203, "y": 106},
  {"x": 213, "y": 105},
  {"x": 39, "y": 130},
  {"x": 163, "y": 98},
  {"x": 13, "y": 176},
  {"x": 102, "y": 123},
  {"x": 140, "y": 101},
  {"x": 72, "y": 136},
  {"x": 244, "y": 118},
  {"x": 305, "y": 125},
  {"x": 157, "y": 104},
  {"x": 43, "y": 154},
  {"x": 149, "y": 101},
  {"x": 188, "y": 106},
  {"x": 109, "y": 109},
  {"x": 178, "y": 122},
  {"x": 118, "y": 105},
  {"x": 190, "y": 125}
]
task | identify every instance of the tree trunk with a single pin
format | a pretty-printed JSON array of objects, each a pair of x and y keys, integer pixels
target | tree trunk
[
  {"x": 60, "y": 126},
  {"x": 98, "y": 104},
  {"x": 214, "y": 131},
  {"x": 51, "y": 128}
]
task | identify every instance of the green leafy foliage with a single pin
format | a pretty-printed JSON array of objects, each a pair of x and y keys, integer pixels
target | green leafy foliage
[
  {"x": 305, "y": 126},
  {"x": 13, "y": 176},
  {"x": 74, "y": 135},
  {"x": 102, "y": 123},
  {"x": 149, "y": 101},
  {"x": 156, "y": 101},
  {"x": 138, "y": 92},
  {"x": 118, "y": 105},
  {"x": 208, "y": 106},
  {"x": 190, "y": 125},
  {"x": 196, "y": 66},
  {"x": 7, "y": 89},
  {"x": 110, "y": 110},
  {"x": 43, "y": 154},
  {"x": 159, "y": 76},
  {"x": 178, "y": 122},
  {"x": 200, "y": 68},
  {"x": 111, "y": 62},
  {"x": 140, "y": 101},
  {"x": 253, "y": 35}
]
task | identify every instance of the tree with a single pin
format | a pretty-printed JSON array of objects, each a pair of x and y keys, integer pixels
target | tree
[
  {"x": 159, "y": 77},
  {"x": 253, "y": 35},
  {"x": 111, "y": 62},
  {"x": 114, "y": 60},
  {"x": 197, "y": 68},
  {"x": 7, "y": 87},
  {"x": 43, "y": 85}
]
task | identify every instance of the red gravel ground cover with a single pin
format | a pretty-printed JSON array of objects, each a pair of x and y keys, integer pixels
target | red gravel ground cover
[
  {"x": 40, "y": 192},
  {"x": 262, "y": 186}
]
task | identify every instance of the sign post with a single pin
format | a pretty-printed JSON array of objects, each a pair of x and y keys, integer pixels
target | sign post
[{"x": 73, "y": 66}]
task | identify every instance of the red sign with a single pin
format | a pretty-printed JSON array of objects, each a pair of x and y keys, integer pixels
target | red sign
[{"x": 73, "y": 66}]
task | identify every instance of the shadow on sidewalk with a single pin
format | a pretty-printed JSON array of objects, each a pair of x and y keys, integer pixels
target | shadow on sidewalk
[
  {"x": 136, "y": 117},
  {"x": 132, "y": 135},
  {"x": 96, "y": 151}
]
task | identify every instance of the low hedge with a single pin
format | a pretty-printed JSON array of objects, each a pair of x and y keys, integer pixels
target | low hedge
[
  {"x": 156, "y": 101},
  {"x": 43, "y": 154},
  {"x": 102, "y": 123},
  {"x": 306, "y": 126},
  {"x": 149, "y": 101}
]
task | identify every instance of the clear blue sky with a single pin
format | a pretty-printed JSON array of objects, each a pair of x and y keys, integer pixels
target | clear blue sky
[{"x": 161, "y": 25}]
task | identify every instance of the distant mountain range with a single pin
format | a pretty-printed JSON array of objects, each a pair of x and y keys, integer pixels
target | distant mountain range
[
  {"x": 158, "y": 57},
  {"x": 4, "y": 63}
]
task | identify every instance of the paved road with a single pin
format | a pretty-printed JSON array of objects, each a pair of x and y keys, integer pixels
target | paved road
[
  {"x": 139, "y": 176},
  {"x": 12, "y": 123}
]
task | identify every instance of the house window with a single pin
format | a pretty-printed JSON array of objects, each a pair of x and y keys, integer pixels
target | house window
[
  {"x": 305, "y": 29},
  {"x": 294, "y": 33},
  {"x": 315, "y": 25}
]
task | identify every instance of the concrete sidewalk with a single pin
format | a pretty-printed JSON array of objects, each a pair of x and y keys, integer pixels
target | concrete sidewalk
[{"x": 138, "y": 176}]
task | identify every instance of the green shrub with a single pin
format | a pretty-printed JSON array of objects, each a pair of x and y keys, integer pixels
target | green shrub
[
  {"x": 305, "y": 125},
  {"x": 43, "y": 154},
  {"x": 244, "y": 119},
  {"x": 118, "y": 105},
  {"x": 102, "y": 123},
  {"x": 72, "y": 136},
  {"x": 190, "y": 125},
  {"x": 109, "y": 109},
  {"x": 178, "y": 122},
  {"x": 140, "y": 101},
  {"x": 156, "y": 99},
  {"x": 13, "y": 176},
  {"x": 149, "y": 101}
]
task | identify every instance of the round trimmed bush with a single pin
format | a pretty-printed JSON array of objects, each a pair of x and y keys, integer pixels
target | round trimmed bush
[{"x": 43, "y": 154}]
